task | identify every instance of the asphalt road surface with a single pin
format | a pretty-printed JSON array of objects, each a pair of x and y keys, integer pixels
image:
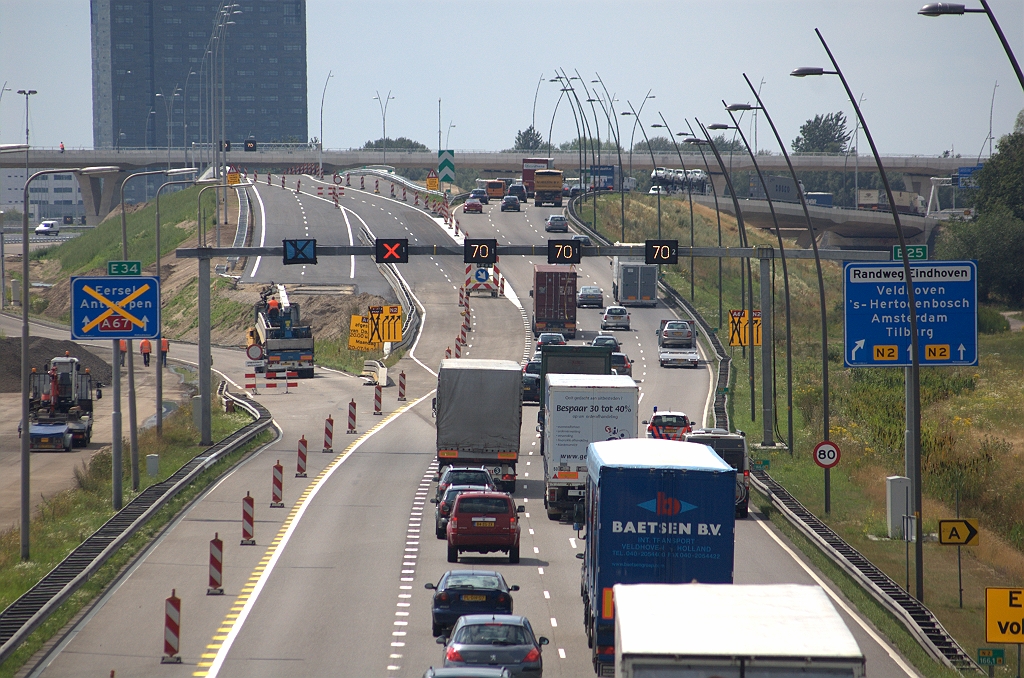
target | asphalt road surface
[{"x": 335, "y": 583}]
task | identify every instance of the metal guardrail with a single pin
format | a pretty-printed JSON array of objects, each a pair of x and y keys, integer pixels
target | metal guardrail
[
  {"x": 914, "y": 616},
  {"x": 242, "y": 229},
  {"x": 33, "y": 608}
]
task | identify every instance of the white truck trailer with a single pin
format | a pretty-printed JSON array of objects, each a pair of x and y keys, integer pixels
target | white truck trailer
[
  {"x": 729, "y": 631},
  {"x": 580, "y": 409}
]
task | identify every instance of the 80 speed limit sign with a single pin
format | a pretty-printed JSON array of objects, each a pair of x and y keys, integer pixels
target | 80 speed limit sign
[{"x": 826, "y": 454}]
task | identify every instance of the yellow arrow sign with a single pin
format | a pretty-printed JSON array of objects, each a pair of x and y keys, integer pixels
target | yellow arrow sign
[{"x": 959, "y": 532}]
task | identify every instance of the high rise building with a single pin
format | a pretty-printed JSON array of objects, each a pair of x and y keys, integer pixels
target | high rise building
[{"x": 158, "y": 64}]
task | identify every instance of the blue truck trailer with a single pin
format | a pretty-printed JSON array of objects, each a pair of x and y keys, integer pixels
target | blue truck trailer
[{"x": 656, "y": 512}]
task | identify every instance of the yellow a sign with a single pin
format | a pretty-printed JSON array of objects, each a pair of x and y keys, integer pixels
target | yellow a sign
[
  {"x": 359, "y": 335},
  {"x": 739, "y": 328}
]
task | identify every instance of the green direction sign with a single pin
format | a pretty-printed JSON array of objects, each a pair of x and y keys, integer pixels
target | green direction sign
[
  {"x": 446, "y": 166},
  {"x": 990, "y": 656},
  {"x": 914, "y": 253},
  {"x": 760, "y": 464},
  {"x": 124, "y": 268}
]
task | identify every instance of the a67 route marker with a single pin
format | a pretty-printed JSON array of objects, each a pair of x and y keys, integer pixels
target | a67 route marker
[{"x": 826, "y": 454}]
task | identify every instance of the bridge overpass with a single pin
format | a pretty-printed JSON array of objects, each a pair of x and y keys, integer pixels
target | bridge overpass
[{"x": 101, "y": 196}]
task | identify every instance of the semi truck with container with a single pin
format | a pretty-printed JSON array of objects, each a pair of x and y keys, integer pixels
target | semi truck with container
[
  {"x": 554, "y": 299},
  {"x": 478, "y": 413},
  {"x": 655, "y": 512},
  {"x": 285, "y": 342},
  {"x": 906, "y": 202},
  {"x": 531, "y": 165},
  {"x": 689, "y": 630},
  {"x": 547, "y": 187},
  {"x": 580, "y": 409},
  {"x": 634, "y": 283}
]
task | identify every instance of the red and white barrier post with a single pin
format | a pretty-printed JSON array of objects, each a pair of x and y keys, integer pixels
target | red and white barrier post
[
  {"x": 248, "y": 518},
  {"x": 282, "y": 182},
  {"x": 277, "y": 487},
  {"x": 268, "y": 178},
  {"x": 377, "y": 411},
  {"x": 328, "y": 434},
  {"x": 458, "y": 350},
  {"x": 416, "y": 200},
  {"x": 216, "y": 587},
  {"x": 352, "y": 416},
  {"x": 362, "y": 184},
  {"x": 348, "y": 179},
  {"x": 456, "y": 227},
  {"x": 298, "y": 184},
  {"x": 462, "y": 297},
  {"x": 392, "y": 190},
  {"x": 376, "y": 185},
  {"x": 300, "y": 463},
  {"x": 401, "y": 386},
  {"x": 172, "y": 629},
  {"x": 404, "y": 199}
]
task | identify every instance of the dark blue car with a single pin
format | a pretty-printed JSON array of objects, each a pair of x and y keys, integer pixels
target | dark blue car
[{"x": 462, "y": 592}]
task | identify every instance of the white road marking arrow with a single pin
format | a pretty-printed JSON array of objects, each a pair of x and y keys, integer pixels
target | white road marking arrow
[
  {"x": 859, "y": 344},
  {"x": 962, "y": 349}
]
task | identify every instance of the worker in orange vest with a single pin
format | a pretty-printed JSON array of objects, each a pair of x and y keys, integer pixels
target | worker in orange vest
[
  {"x": 273, "y": 310},
  {"x": 123, "y": 348},
  {"x": 145, "y": 348},
  {"x": 164, "y": 345}
]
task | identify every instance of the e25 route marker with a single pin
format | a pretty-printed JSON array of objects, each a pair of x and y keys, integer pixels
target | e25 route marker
[{"x": 122, "y": 307}]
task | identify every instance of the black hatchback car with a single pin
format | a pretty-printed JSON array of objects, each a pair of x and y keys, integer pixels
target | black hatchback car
[
  {"x": 510, "y": 203},
  {"x": 462, "y": 592},
  {"x": 480, "y": 194}
]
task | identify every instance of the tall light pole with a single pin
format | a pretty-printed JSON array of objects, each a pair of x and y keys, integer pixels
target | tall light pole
[
  {"x": 383, "y": 103},
  {"x": 533, "y": 122},
  {"x": 168, "y": 113},
  {"x": 5, "y": 88},
  {"x": 636, "y": 117},
  {"x": 689, "y": 194},
  {"x": 943, "y": 8},
  {"x": 320, "y": 150},
  {"x": 117, "y": 111},
  {"x": 633, "y": 133},
  {"x": 184, "y": 117},
  {"x": 567, "y": 88},
  {"x": 448, "y": 134},
  {"x": 618, "y": 149},
  {"x": 700, "y": 143},
  {"x": 551, "y": 127},
  {"x": 26, "y": 93},
  {"x": 25, "y": 367},
  {"x": 785, "y": 281},
  {"x": 914, "y": 395}
]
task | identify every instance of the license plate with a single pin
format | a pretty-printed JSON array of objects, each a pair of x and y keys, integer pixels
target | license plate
[
  {"x": 488, "y": 523},
  {"x": 473, "y": 598}
]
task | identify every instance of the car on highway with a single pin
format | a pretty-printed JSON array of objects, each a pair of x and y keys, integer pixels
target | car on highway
[
  {"x": 460, "y": 592},
  {"x": 467, "y": 672},
  {"x": 443, "y": 508},
  {"x": 531, "y": 381},
  {"x": 606, "y": 340},
  {"x": 48, "y": 227},
  {"x": 574, "y": 191},
  {"x": 495, "y": 640},
  {"x": 510, "y": 203},
  {"x": 481, "y": 195},
  {"x": 550, "y": 339},
  {"x": 473, "y": 205},
  {"x": 669, "y": 425},
  {"x": 615, "y": 317},
  {"x": 678, "y": 357},
  {"x": 462, "y": 475},
  {"x": 484, "y": 522},
  {"x": 621, "y": 364},
  {"x": 519, "y": 191},
  {"x": 556, "y": 222},
  {"x": 584, "y": 240},
  {"x": 655, "y": 190},
  {"x": 590, "y": 295},
  {"x": 675, "y": 333}
]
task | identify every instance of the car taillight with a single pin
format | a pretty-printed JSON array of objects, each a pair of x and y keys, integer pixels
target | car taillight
[
  {"x": 532, "y": 656},
  {"x": 502, "y": 598},
  {"x": 443, "y": 508},
  {"x": 605, "y": 649},
  {"x": 442, "y": 598},
  {"x": 453, "y": 655},
  {"x": 454, "y": 523},
  {"x": 746, "y": 478}
]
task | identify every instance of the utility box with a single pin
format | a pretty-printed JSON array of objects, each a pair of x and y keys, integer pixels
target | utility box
[
  {"x": 898, "y": 503},
  {"x": 16, "y": 292}
]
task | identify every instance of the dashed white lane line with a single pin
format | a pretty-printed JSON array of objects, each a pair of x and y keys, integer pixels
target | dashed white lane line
[
  {"x": 554, "y": 623},
  {"x": 561, "y": 653}
]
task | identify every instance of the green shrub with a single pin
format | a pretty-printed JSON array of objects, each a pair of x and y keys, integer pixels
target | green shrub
[{"x": 991, "y": 321}]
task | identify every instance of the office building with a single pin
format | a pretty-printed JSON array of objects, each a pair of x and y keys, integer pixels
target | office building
[
  {"x": 148, "y": 56},
  {"x": 51, "y": 196}
]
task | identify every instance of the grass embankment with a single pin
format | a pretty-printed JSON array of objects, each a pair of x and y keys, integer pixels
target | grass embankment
[
  {"x": 971, "y": 428},
  {"x": 66, "y": 519}
]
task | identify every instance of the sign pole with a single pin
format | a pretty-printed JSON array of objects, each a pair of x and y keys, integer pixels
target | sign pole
[
  {"x": 115, "y": 428},
  {"x": 959, "y": 571}
]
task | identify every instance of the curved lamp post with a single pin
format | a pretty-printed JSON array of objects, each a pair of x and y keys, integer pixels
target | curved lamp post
[
  {"x": 915, "y": 358},
  {"x": 700, "y": 143},
  {"x": 618, "y": 149},
  {"x": 320, "y": 149},
  {"x": 383, "y": 102},
  {"x": 785, "y": 281},
  {"x": 636, "y": 116},
  {"x": 633, "y": 133},
  {"x": 943, "y": 8},
  {"x": 689, "y": 193}
]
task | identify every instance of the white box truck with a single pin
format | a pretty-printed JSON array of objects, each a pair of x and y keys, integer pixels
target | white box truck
[
  {"x": 634, "y": 283},
  {"x": 702, "y": 630},
  {"x": 580, "y": 409}
]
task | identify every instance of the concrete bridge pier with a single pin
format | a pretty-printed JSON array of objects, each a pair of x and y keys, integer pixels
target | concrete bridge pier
[{"x": 101, "y": 195}]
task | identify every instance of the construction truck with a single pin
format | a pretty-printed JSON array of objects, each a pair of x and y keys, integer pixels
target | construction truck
[
  {"x": 285, "y": 344},
  {"x": 60, "y": 406}
]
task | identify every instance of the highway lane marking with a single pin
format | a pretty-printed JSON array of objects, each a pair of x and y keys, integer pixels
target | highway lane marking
[
  {"x": 561, "y": 653},
  {"x": 263, "y": 229},
  {"x": 246, "y": 600},
  {"x": 839, "y": 601}
]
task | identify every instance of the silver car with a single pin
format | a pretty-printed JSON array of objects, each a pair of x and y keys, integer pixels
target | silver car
[
  {"x": 590, "y": 295},
  {"x": 557, "y": 222},
  {"x": 615, "y": 317},
  {"x": 494, "y": 640}
]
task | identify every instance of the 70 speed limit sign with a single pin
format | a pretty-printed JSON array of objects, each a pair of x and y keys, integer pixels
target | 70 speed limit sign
[{"x": 826, "y": 454}]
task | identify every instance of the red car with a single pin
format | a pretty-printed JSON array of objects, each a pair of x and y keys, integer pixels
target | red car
[
  {"x": 484, "y": 522},
  {"x": 473, "y": 205}
]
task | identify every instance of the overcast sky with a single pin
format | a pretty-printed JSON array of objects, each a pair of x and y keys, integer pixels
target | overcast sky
[{"x": 927, "y": 83}]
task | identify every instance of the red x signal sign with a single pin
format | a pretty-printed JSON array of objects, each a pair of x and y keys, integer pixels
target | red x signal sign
[{"x": 392, "y": 250}]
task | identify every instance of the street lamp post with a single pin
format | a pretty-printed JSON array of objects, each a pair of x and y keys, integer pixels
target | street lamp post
[
  {"x": 383, "y": 103},
  {"x": 914, "y": 399},
  {"x": 636, "y": 117},
  {"x": 320, "y": 150},
  {"x": 766, "y": 425},
  {"x": 184, "y": 118},
  {"x": 567, "y": 87},
  {"x": 943, "y": 8},
  {"x": 553, "y": 113},
  {"x": 618, "y": 149},
  {"x": 689, "y": 193},
  {"x": 633, "y": 133},
  {"x": 117, "y": 111},
  {"x": 700, "y": 143}
]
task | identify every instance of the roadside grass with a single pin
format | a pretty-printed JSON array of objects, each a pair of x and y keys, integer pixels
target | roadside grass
[
  {"x": 334, "y": 353},
  {"x": 971, "y": 427},
  {"x": 66, "y": 519}
]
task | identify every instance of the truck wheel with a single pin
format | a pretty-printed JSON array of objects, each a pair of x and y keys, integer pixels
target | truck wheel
[
  {"x": 510, "y": 487},
  {"x": 435, "y": 630},
  {"x": 513, "y": 555},
  {"x": 453, "y": 554},
  {"x": 743, "y": 511},
  {"x": 440, "y": 533},
  {"x": 554, "y": 514},
  {"x": 306, "y": 374}
]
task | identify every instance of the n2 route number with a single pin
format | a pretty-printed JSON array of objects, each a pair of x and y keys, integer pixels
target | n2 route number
[
  {"x": 564, "y": 252},
  {"x": 826, "y": 454}
]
